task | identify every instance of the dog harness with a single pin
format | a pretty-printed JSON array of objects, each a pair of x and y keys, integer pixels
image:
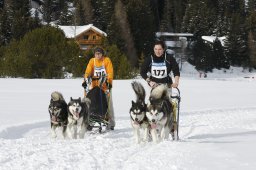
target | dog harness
[
  {"x": 138, "y": 122},
  {"x": 159, "y": 70},
  {"x": 99, "y": 71}
]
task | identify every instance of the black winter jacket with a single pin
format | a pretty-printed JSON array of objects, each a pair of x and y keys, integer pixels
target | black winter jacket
[{"x": 171, "y": 64}]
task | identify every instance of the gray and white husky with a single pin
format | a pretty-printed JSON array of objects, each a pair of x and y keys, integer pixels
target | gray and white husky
[
  {"x": 159, "y": 113},
  {"x": 78, "y": 117},
  {"x": 138, "y": 117},
  {"x": 58, "y": 113}
]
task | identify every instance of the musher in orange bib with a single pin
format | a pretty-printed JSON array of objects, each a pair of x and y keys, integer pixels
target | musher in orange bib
[{"x": 101, "y": 66}]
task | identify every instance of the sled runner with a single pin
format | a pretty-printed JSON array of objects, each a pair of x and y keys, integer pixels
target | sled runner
[
  {"x": 176, "y": 112},
  {"x": 98, "y": 110}
]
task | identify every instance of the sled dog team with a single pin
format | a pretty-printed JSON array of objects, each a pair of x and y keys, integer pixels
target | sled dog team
[
  {"x": 73, "y": 117},
  {"x": 155, "y": 120},
  {"x": 152, "y": 121}
]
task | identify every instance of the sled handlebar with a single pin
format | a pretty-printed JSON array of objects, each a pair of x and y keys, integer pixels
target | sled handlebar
[{"x": 178, "y": 96}]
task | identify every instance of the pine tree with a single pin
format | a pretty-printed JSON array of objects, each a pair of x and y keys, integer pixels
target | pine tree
[
  {"x": 251, "y": 6},
  {"x": 202, "y": 56},
  {"x": 166, "y": 24},
  {"x": 236, "y": 43},
  {"x": 172, "y": 14},
  {"x": 198, "y": 19},
  {"x": 48, "y": 54},
  {"x": 220, "y": 60},
  {"x": 79, "y": 14},
  {"x": 20, "y": 15},
  {"x": 1, "y": 4},
  {"x": 178, "y": 11},
  {"x": 251, "y": 27},
  {"x": 13, "y": 64},
  {"x": 65, "y": 16},
  {"x": 103, "y": 11},
  {"x": 141, "y": 19},
  {"x": 48, "y": 10},
  {"x": 221, "y": 26},
  {"x": 35, "y": 22},
  {"x": 252, "y": 50},
  {"x": 121, "y": 65},
  {"x": 120, "y": 33},
  {"x": 5, "y": 28},
  {"x": 88, "y": 11}
]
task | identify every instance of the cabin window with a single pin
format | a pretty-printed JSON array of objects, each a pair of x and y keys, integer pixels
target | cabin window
[
  {"x": 94, "y": 37},
  {"x": 86, "y": 37},
  {"x": 83, "y": 47}
]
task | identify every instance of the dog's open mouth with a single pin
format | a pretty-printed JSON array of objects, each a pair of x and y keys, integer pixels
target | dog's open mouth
[
  {"x": 153, "y": 126},
  {"x": 54, "y": 120},
  {"x": 136, "y": 122},
  {"x": 76, "y": 114}
]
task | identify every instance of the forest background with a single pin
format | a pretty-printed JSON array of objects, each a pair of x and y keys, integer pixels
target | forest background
[{"x": 30, "y": 47}]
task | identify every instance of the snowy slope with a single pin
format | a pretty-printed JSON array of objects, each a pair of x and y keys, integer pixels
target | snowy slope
[{"x": 217, "y": 129}]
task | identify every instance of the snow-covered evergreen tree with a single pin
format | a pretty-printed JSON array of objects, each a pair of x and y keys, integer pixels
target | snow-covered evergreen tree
[
  {"x": 65, "y": 15},
  {"x": 48, "y": 9},
  {"x": 19, "y": 16},
  {"x": 5, "y": 27},
  {"x": 220, "y": 60}
]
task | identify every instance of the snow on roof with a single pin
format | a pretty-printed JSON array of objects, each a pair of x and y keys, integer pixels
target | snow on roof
[
  {"x": 73, "y": 31},
  {"x": 213, "y": 38},
  {"x": 158, "y": 34}
]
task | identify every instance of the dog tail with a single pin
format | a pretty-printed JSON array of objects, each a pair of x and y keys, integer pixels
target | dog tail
[
  {"x": 159, "y": 92},
  {"x": 87, "y": 101},
  {"x": 139, "y": 91},
  {"x": 56, "y": 96}
]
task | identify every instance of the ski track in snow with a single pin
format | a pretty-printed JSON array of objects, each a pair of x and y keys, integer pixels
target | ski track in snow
[{"x": 26, "y": 146}]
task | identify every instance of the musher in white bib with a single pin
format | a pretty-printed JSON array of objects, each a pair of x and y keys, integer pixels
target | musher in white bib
[{"x": 157, "y": 68}]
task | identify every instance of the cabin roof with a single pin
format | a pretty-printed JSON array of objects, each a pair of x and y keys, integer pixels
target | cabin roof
[
  {"x": 74, "y": 31},
  {"x": 211, "y": 39},
  {"x": 159, "y": 34}
]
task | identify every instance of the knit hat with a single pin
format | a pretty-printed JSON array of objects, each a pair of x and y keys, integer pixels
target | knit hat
[{"x": 99, "y": 50}]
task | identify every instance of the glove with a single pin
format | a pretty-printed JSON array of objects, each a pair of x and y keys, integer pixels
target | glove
[
  {"x": 152, "y": 84},
  {"x": 84, "y": 84},
  {"x": 109, "y": 85}
]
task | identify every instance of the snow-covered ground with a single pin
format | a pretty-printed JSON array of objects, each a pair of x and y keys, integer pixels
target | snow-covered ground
[{"x": 217, "y": 128}]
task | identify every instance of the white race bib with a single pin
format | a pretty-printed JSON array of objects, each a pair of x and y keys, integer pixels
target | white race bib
[
  {"x": 159, "y": 70},
  {"x": 99, "y": 71}
]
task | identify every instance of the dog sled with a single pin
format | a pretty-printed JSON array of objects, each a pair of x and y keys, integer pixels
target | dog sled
[
  {"x": 99, "y": 107},
  {"x": 176, "y": 112}
]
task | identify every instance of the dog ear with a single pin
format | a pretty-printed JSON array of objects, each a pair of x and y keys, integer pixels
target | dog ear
[
  {"x": 71, "y": 98},
  {"x": 79, "y": 99},
  {"x": 133, "y": 103}
]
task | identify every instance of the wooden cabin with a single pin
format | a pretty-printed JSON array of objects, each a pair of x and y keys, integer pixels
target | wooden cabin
[{"x": 87, "y": 36}]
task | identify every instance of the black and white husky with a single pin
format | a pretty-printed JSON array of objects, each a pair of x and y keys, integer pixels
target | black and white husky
[
  {"x": 159, "y": 113},
  {"x": 58, "y": 113},
  {"x": 138, "y": 113},
  {"x": 78, "y": 117}
]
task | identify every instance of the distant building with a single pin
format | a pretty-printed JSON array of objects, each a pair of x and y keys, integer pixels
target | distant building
[
  {"x": 179, "y": 44},
  {"x": 35, "y": 3},
  {"x": 174, "y": 40},
  {"x": 87, "y": 36},
  {"x": 211, "y": 39}
]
